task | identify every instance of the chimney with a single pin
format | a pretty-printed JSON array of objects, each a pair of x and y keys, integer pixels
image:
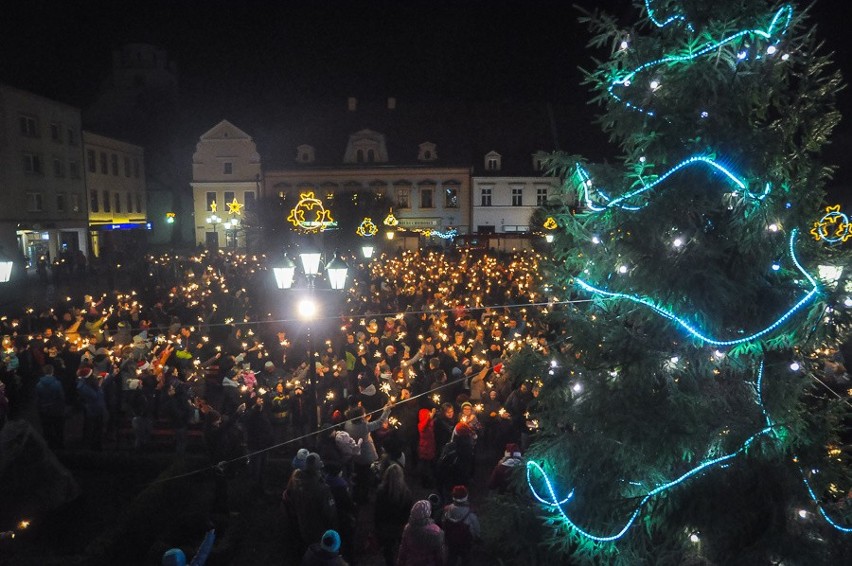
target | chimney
[
  {"x": 391, "y": 103},
  {"x": 352, "y": 104}
]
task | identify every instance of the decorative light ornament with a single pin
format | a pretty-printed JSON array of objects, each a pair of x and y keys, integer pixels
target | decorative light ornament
[
  {"x": 773, "y": 227},
  {"x": 803, "y": 514},
  {"x": 390, "y": 219},
  {"x": 622, "y": 269},
  {"x": 705, "y": 114},
  {"x": 678, "y": 242},
  {"x": 771, "y": 50},
  {"x": 550, "y": 223},
  {"x": 642, "y": 159},
  {"x": 596, "y": 240},
  {"x": 213, "y": 206},
  {"x": 776, "y": 266},
  {"x": 367, "y": 229},
  {"x": 847, "y": 302},
  {"x": 624, "y": 45},
  {"x": 577, "y": 387},
  {"x": 742, "y": 54},
  {"x": 235, "y": 207},
  {"x": 785, "y": 57},
  {"x": 309, "y": 214},
  {"x": 548, "y": 238},
  {"x": 694, "y": 538},
  {"x": 655, "y": 84},
  {"x": 833, "y": 227},
  {"x": 795, "y": 366}
]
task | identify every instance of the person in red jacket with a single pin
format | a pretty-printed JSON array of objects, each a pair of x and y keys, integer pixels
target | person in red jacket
[{"x": 426, "y": 448}]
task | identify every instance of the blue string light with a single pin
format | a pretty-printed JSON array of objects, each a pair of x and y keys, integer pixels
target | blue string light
[
  {"x": 696, "y": 160},
  {"x": 667, "y": 314},
  {"x": 661, "y": 24},
  {"x": 722, "y": 461},
  {"x": 779, "y": 24}
]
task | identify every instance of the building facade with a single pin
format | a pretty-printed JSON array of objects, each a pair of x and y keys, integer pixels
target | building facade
[
  {"x": 115, "y": 191},
  {"x": 42, "y": 193},
  {"x": 226, "y": 181}
]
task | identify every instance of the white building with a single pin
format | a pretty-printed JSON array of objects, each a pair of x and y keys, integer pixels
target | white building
[
  {"x": 225, "y": 184},
  {"x": 42, "y": 195},
  {"x": 115, "y": 189}
]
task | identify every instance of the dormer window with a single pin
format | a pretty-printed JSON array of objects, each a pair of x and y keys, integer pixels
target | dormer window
[
  {"x": 427, "y": 152},
  {"x": 492, "y": 161},
  {"x": 305, "y": 154},
  {"x": 366, "y": 146}
]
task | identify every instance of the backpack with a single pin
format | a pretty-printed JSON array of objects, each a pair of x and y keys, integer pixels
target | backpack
[
  {"x": 448, "y": 461},
  {"x": 457, "y": 533}
]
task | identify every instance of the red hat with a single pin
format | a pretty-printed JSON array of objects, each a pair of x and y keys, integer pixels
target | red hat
[
  {"x": 84, "y": 371},
  {"x": 463, "y": 430},
  {"x": 498, "y": 367},
  {"x": 460, "y": 494},
  {"x": 143, "y": 365}
]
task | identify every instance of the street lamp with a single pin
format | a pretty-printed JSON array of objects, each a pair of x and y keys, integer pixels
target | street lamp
[
  {"x": 215, "y": 220},
  {"x": 307, "y": 306},
  {"x": 367, "y": 251},
  {"x": 5, "y": 270},
  {"x": 231, "y": 227}
]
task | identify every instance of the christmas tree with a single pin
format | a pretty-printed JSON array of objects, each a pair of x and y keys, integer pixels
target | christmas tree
[{"x": 698, "y": 412}]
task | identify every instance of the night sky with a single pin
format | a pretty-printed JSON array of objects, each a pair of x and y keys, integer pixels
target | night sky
[{"x": 239, "y": 53}]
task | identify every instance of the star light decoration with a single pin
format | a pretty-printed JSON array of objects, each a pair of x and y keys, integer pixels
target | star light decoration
[
  {"x": 235, "y": 207},
  {"x": 213, "y": 206},
  {"x": 833, "y": 227},
  {"x": 550, "y": 223},
  {"x": 367, "y": 229},
  {"x": 390, "y": 219},
  {"x": 309, "y": 214}
]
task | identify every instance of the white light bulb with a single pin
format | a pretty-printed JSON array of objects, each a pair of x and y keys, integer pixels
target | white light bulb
[
  {"x": 642, "y": 159},
  {"x": 624, "y": 44},
  {"x": 655, "y": 84},
  {"x": 596, "y": 240},
  {"x": 719, "y": 354},
  {"x": 785, "y": 57},
  {"x": 577, "y": 387},
  {"x": 795, "y": 366},
  {"x": 553, "y": 363},
  {"x": 694, "y": 538},
  {"x": 705, "y": 114},
  {"x": 802, "y": 513},
  {"x": 675, "y": 359},
  {"x": 742, "y": 55},
  {"x": 847, "y": 302},
  {"x": 678, "y": 242},
  {"x": 773, "y": 227},
  {"x": 622, "y": 269},
  {"x": 626, "y": 82},
  {"x": 771, "y": 50},
  {"x": 776, "y": 266}
]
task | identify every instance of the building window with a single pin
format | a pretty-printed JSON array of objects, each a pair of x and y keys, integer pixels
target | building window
[
  {"x": 228, "y": 168},
  {"x": 74, "y": 169},
  {"x": 485, "y": 197},
  {"x": 58, "y": 169},
  {"x": 229, "y": 198},
  {"x": 129, "y": 202},
  {"x": 451, "y": 196},
  {"x": 402, "y": 198},
  {"x": 104, "y": 163},
  {"x": 91, "y": 160},
  {"x": 32, "y": 163},
  {"x": 136, "y": 168},
  {"x": 114, "y": 160},
  {"x": 211, "y": 201},
  {"x": 359, "y": 156},
  {"x": 126, "y": 166},
  {"x": 76, "y": 205},
  {"x": 72, "y": 136},
  {"x": 371, "y": 156},
  {"x": 107, "y": 207},
  {"x": 492, "y": 164},
  {"x": 248, "y": 201},
  {"x": 117, "y": 202},
  {"x": 93, "y": 202},
  {"x": 29, "y": 126},
  {"x": 541, "y": 196},
  {"x": 34, "y": 202},
  {"x": 56, "y": 132},
  {"x": 139, "y": 202},
  {"x": 426, "y": 198},
  {"x": 60, "y": 202},
  {"x": 517, "y": 196}
]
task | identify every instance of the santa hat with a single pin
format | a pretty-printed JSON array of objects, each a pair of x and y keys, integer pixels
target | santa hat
[
  {"x": 84, "y": 372},
  {"x": 463, "y": 430},
  {"x": 460, "y": 494},
  {"x": 143, "y": 365},
  {"x": 512, "y": 450},
  {"x": 498, "y": 367}
]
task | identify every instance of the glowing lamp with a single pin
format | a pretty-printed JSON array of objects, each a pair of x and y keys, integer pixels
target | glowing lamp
[
  {"x": 367, "y": 251},
  {"x": 678, "y": 242},
  {"x": 337, "y": 270},
  {"x": 390, "y": 234},
  {"x": 5, "y": 270},
  {"x": 285, "y": 274},
  {"x": 622, "y": 269},
  {"x": 847, "y": 302},
  {"x": 776, "y": 266},
  {"x": 795, "y": 366},
  {"x": 694, "y": 538},
  {"x": 307, "y": 309},
  {"x": 803, "y": 514},
  {"x": 548, "y": 238},
  {"x": 771, "y": 50},
  {"x": 310, "y": 263},
  {"x": 596, "y": 240}
]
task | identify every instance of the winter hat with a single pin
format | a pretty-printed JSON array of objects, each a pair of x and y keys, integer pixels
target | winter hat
[
  {"x": 269, "y": 365},
  {"x": 84, "y": 372},
  {"x": 435, "y": 500},
  {"x": 299, "y": 459},
  {"x": 313, "y": 462},
  {"x": 462, "y": 430},
  {"x": 420, "y": 511},
  {"x": 142, "y": 365},
  {"x": 466, "y": 404},
  {"x": 330, "y": 541},
  {"x": 460, "y": 494},
  {"x": 174, "y": 557},
  {"x": 512, "y": 450}
]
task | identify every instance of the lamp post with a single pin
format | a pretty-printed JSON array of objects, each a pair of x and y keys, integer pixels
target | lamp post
[
  {"x": 307, "y": 307},
  {"x": 214, "y": 220},
  {"x": 231, "y": 227}
]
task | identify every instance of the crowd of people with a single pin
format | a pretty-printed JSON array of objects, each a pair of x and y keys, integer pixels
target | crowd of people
[{"x": 409, "y": 391}]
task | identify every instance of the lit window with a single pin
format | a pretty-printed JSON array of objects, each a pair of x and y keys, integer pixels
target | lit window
[{"x": 451, "y": 197}]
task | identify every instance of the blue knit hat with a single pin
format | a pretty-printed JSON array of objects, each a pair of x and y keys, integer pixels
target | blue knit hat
[
  {"x": 174, "y": 557},
  {"x": 330, "y": 541}
]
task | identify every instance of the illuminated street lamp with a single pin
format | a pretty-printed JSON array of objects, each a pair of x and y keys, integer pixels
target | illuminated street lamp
[{"x": 367, "y": 251}]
